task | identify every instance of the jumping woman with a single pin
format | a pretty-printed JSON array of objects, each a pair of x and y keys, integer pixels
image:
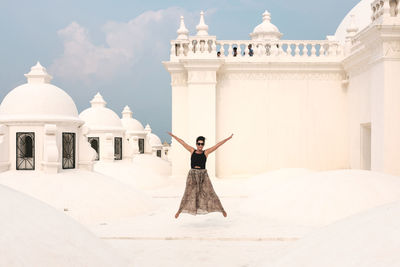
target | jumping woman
[{"x": 199, "y": 196}]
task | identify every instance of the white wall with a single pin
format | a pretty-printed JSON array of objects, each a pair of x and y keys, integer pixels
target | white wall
[
  {"x": 359, "y": 93},
  {"x": 296, "y": 121}
]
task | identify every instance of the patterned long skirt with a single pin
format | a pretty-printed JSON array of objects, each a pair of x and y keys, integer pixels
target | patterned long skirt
[{"x": 199, "y": 196}]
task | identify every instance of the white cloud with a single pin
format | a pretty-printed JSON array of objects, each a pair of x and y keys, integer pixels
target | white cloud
[{"x": 125, "y": 44}]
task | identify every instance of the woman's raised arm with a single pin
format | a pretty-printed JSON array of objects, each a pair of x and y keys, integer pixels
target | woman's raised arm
[
  {"x": 188, "y": 148},
  {"x": 212, "y": 149}
]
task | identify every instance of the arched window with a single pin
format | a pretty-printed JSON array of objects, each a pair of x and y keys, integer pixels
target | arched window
[
  {"x": 141, "y": 146},
  {"x": 68, "y": 143},
  {"x": 25, "y": 156},
  {"x": 117, "y": 148},
  {"x": 94, "y": 143}
]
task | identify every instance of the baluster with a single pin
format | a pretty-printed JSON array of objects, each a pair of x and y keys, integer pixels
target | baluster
[
  {"x": 230, "y": 50},
  {"x": 304, "y": 50},
  {"x": 313, "y": 50},
  {"x": 279, "y": 49},
  {"x": 240, "y": 51},
  {"x": 297, "y": 50},
  {"x": 222, "y": 50},
  {"x": 206, "y": 47},
  {"x": 181, "y": 50},
  {"x": 173, "y": 52},
  {"x": 326, "y": 50},
  {"x": 289, "y": 50},
  {"x": 246, "y": 50},
  {"x": 213, "y": 48},
  {"x": 191, "y": 47}
]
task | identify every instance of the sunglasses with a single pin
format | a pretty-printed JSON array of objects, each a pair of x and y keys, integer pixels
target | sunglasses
[{"x": 200, "y": 144}]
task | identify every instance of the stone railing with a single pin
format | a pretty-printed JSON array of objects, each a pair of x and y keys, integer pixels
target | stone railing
[
  {"x": 234, "y": 49},
  {"x": 384, "y": 8}
]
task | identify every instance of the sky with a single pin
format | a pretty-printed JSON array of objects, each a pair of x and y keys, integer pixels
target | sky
[{"x": 116, "y": 47}]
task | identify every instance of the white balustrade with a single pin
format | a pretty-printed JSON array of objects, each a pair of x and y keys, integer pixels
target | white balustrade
[{"x": 297, "y": 49}]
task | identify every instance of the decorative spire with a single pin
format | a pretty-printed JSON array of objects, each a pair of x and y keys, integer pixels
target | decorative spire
[
  {"x": 127, "y": 112},
  {"x": 38, "y": 74},
  {"x": 183, "y": 32},
  {"x": 352, "y": 29},
  {"x": 98, "y": 101},
  {"x": 202, "y": 28},
  {"x": 266, "y": 16},
  {"x": 147, "y": 128}
]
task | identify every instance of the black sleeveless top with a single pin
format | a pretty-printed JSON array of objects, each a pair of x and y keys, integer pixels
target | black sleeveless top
[{"x": 198, "y": 160}]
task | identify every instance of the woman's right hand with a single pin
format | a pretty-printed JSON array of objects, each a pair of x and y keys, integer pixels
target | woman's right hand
[{"x": 170, "y": 134}]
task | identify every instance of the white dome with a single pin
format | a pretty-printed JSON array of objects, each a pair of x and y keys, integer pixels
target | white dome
[
  {"x": 266, "y": 30},
  {"x": 362, "y": 16},
  {"x": 154, "y": 140},
  {"x": 38, "y": 100},
  {"x": 99, "y": 117},
  {"x": 129, "y": 123}
]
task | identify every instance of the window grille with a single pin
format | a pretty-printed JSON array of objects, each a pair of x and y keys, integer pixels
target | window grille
[
  {"x": 68, "y": 148},
  {"x": 25, "y": 151},
  {"x": 117, "y": 148}
]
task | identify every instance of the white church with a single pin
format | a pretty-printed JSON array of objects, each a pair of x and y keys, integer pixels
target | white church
[{"x": 317, "y": 104}]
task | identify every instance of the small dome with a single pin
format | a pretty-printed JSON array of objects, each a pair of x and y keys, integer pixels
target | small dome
[
  {"x": 154, "y": 140},
  {"x": 362, "y": 17},
  {"x": 129, "y": 123},
  {"x": 99, "y": 117},
  {"x": 38, "y": 100},
  {"x": 266, "y": 31}
]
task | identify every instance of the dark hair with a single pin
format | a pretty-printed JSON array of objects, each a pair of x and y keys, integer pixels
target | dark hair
[{"x": 200, "y": 138}]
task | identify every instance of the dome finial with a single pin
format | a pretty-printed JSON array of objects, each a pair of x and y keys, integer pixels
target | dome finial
[
  {"x": 98, "y": 101},
  {"x": 127, "y": 112},
  {"x": 38, "y": 74},
  {"x": 147, "y": 128},
  {"x": 183, "y": 32},
  {"x": 266, "y": 31},
  {"x": 202, "y": 28},
  {"x": 267, "y": 16}
]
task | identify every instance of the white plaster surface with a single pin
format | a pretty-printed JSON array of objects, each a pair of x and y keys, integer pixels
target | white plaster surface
[{"x": 34, "y": 234}]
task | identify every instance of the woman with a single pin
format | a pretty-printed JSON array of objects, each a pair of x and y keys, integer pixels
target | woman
[{"x": 199, "y": 196}]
